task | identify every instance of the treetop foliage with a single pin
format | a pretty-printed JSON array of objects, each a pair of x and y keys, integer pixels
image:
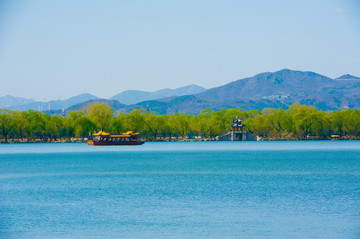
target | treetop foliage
[{"x": 297, "y": 122}]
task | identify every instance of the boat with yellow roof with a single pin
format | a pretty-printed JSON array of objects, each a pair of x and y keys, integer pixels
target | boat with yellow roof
[{"x": 103, "y": 138}]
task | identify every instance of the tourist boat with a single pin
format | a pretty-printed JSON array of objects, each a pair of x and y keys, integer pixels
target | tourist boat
[
  {"x": 335, "y": 137},
  {"x": 103, "y": 138}
]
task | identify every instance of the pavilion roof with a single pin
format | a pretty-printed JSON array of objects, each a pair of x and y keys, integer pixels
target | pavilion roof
[
  {"x": 127, "y": 134},
  {"x": 101, "y": 133}
]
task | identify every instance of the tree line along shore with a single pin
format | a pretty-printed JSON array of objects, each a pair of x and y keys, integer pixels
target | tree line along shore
[{"x": 299, "y": 122}]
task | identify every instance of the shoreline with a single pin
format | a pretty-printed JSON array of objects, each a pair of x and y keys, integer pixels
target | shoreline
[{"x": 172, "y": 140}]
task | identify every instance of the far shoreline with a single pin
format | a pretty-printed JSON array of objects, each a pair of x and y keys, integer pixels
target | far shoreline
[{"x": 38, "y": 141}]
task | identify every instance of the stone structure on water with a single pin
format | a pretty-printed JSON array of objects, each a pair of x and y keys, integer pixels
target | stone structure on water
[{"x": 237, "y": 132}]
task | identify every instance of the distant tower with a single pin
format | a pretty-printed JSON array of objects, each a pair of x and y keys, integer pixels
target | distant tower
[
  {"x": 237, "y": 125},
  {"x": 237, "y": 133},
  {"x": 63, "y": 113},
  {"x": 147, "y": 108}
]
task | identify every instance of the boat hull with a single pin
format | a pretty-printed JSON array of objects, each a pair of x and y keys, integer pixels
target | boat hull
[{"x": 101, "y": 143}]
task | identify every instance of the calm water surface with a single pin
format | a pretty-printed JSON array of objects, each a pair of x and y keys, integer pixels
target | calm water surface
[{"x": 308, "y": 189}]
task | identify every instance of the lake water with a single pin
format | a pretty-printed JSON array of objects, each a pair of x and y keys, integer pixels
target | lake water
[{"x": 304, "y": 189}]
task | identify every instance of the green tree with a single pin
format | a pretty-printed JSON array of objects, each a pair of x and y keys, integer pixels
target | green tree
[
  {"x": 84, "y": 126},
  {"x": 154, "y": 124},
  {"x": 200, "y": 122},
  {"x": 135, "y": 120},
  {"x": 117, "y": 124},
  {"x": 101, "y": 115},
  {"x": 71, "y": 123},
  {"x": 183, "y": 121},
  {"x": 217, "y": 124},
  {"x": 58, "y": 123},
  {"x": 8, "y": 120},
  {"x": 259, "y": 125},
  {"x": 280, "y": 120},
  {"x": 352, "y": 122},
  {"x": 36, "y": 124},
  {"x": 174, "y": 125},
  {"x": 320, "y": 124},
  {"x": 303, "y": 119},
  {"x": 165, "y": 127},
  {"x": 337, "y": 119}
]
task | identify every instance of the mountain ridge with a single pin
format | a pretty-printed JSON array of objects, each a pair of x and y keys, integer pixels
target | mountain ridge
[
  {"x": 55, "y": 105},
  {"x": 269, "y": 89},
  {"x": 9, "y": 101},
  {"x": 347, "y": 77},
  {"x": 283, "y": 82},
  {"x": 134, "y": 96},
  {"x": 278, "y": 89}
]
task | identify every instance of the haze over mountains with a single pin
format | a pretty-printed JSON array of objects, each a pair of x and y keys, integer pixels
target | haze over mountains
[
  {"x": 54, "y": 104},
  {"x": 269, "y": 89},
  {"x": 134, "y": 96},
  {"x": 9, "y": 101},
  {"x": 126, "y": 97}
]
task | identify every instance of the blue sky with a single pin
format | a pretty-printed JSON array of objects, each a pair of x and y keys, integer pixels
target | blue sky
[{"x": 58, "y": 49}]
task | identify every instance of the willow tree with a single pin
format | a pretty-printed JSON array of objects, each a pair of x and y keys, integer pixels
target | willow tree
[
  {"x": 200, "y": 122},
  {"x": 337, "y": 119},
  {"x": 101, "y": 115},
  {"x": 8, "y": 121},
  {"x": 184, "y": 124},
  {"x": 70, "y": 122},
  {"x": 135, "y": 120},
  {"x": 281, "y": 121},
  {"x": 58, "y": 123},
  {"x": 165, "y": 130},
  {"x": 303, "y": 118},
  {"x": 154, "y": 124},
  {"x": 117, "y": 124},
  {"x": 218, "y": 124},
  {"x": 352, "y": 122},
  {"x": 84, "y": 126},
  {"x": 259, "y": 125},
  {"x": 36, "y": 124}
]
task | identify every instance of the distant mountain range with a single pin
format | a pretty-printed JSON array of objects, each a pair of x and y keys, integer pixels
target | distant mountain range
[
  {"x": 116, "y": 105},
  {"x": 9, "y": 101},
  {"x": 54, "y": 104},
  {"x": 130, "y": 97},
  {"x": 84, "y": 100},
  {"x": 270, "y": 89}
]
